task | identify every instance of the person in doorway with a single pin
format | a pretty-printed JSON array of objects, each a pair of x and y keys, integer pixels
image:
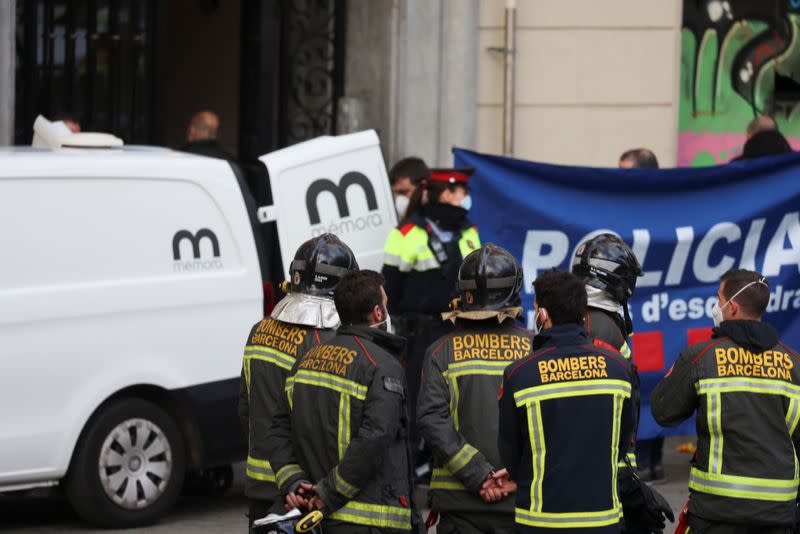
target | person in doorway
[
  {"x": 305, "y": 318},
  {"x": 339, "y": 439},
  {"x": 201, "y": 137},
  {"x": 421, "y": 261},
  {"x": 405, "y": 177},
  {"x": 744, "y": 386}
]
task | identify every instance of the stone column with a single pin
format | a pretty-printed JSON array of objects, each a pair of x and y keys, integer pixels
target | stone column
[
  {"x": 414, "y": 66},
  {"x": 458, "y": 77}
]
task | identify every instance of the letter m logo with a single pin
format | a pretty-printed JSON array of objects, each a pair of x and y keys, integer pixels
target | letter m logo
[
  {"x": 339, "y": 192},
  {"x": 194, "y": 239}
]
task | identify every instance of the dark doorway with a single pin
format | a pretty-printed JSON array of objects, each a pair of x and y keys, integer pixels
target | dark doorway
[
  {"x": 202, "y": 67},
  {"x": 292, "y": 72},
  {"x": 273, "y": 70},
  {"x": 96, "y": 60}
]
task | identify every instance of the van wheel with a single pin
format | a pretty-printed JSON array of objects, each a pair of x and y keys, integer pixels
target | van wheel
[{"x": 128, "y": 467}]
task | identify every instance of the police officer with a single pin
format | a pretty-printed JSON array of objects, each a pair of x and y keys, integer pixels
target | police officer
[
  {"x": 302, "y": 320},
  {"x": 609, "y": 269},
  {"x": 565, "y": 418},
  {"x": 462, "y": 374},
  {"x": 744, "y": 385},
  {"x": 422, "y": 258},
  {"x": 338, "y": 442}
]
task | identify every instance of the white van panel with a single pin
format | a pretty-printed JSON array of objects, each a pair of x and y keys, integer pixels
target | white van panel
[
  {"x": 92, "y": 299},
  {"x": 335, "y": 184}
]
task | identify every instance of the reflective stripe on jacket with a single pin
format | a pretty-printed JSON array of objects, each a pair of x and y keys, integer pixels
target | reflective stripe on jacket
[
  {"x": 271, "y": 350},
  {"x": 748, "y": 407},
  {"x": 565, "y": 418},
  {"x": 415, "y": 280},
  {"x": 606, "y": 326},
  {"x": 457, "y": 409}
]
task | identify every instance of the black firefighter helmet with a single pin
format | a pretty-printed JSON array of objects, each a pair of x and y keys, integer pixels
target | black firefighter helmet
[
  {"x": 489, "y": 279},
  {"x": 608, "y": 263},
  {"x": 319, "y": 264}
]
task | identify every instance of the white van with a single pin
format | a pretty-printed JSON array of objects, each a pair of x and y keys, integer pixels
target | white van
[{"x": 129, "y": 279}]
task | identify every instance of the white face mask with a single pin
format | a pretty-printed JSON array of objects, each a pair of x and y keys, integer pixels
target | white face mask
[
  {"x": 401, "y": 205},
  {"x": 716, "y": 311},
  {"x": 466, "y": 203},
  {"x": 387, "y": 322}
]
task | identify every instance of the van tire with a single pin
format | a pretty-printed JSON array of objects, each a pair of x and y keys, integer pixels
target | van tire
[{"x": 138, "y": 445}]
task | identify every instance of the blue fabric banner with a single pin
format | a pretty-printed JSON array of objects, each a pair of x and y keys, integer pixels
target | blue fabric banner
[{"x": 686, "y": 226}]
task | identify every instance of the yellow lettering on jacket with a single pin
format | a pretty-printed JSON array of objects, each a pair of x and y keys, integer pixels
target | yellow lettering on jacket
[
  {"x": 738, "y": 361},
  {"x": 280, "y": 336},
  {"x": 333, "y": 359},
  {"x": 503, "y": 347},
  {"x": 572, "y": 368}
]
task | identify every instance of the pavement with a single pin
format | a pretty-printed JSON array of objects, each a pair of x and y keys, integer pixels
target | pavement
[{"x": 50, "y": 513}]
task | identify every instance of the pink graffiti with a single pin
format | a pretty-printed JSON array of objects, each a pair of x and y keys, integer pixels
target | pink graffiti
[{"x": 722, "y": 147}]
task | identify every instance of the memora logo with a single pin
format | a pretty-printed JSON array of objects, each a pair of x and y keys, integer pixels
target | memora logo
[
  {"x": 196, "y": 262},
  {"x": 345, "y": 222}
]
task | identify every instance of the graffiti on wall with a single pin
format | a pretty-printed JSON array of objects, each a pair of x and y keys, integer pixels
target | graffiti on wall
[{"x": 739, "y": 59}]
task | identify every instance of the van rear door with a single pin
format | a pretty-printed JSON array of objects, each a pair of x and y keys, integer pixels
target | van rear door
[{"x": 335, "y": 184}]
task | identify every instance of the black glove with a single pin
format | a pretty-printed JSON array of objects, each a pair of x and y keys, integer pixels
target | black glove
[{"x": 646, "y": 510}]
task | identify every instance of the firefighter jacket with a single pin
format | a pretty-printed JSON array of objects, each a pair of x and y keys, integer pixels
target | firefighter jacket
[
  {"x": 565, "y": 418},
  {"x": 421, "y": 271},
  {"x": 271, "y": 350},
  {"x": 603, "y": 326},
  {"x": 343, "y": 425},
  {"x": 745, "y": 387},
  {"x": 456, "y": 409}
]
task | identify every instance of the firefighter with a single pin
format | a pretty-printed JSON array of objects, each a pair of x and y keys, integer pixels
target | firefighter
[
  {"x": 422, "y": 257},
  {"x": 744, "y": 385},
  {"x": 566, "y": 417},
  {"x": 301, "y": 321},
  {"x": 460, "y": 381},
  {"x": 338, "y": 442},
  {"x": 609, "y": 269}
]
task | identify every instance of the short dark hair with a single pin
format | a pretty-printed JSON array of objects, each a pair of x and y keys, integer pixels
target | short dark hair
[
  {"x": 357, "y": 294},
  {"x": 563, "y": 294},
  {"x": 642, "y": 158},
  {"x": 412, "y": 167},
  {"x": 754, "y": 299}
]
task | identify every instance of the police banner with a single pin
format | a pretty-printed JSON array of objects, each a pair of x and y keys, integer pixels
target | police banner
[{"x": 686, "y": 226}]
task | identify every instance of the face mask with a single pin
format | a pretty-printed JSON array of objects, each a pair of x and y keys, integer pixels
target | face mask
[
  {"x": 716, "y": 310},
  {"x": 386, "y": 324},
  {"x": 401, "y": 205},
  {"x": 716, "y": 313},
  {"x": 466, "y": 203}
]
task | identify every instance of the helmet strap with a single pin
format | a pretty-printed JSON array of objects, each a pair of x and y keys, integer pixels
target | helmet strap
[{"x": 628, "y": 322}]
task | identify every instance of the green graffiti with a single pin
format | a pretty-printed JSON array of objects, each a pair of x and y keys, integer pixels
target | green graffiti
[{"x": 728, "y": 73}]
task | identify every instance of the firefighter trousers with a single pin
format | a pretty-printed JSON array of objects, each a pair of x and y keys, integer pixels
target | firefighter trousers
[
  {"x": 339, "y": 527},
  {"x": 475, "y": 523},
  {"x": 698, "y": 525}
]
